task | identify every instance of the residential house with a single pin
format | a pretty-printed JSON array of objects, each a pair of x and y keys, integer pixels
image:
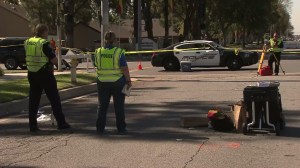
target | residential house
[{"x": 13, "y": 21}]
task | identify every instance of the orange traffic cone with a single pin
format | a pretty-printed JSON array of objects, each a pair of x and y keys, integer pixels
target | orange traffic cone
[{"x": 140, "y": 66}]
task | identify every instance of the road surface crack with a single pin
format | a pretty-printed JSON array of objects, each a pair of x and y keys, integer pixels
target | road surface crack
[
  {"x": 197, "y": 152},
  {"x": 43, "y": 152}
]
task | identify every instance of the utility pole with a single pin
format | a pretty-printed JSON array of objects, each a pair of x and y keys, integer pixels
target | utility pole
[
  {"x": 59, "y": 57},
  {"x": 105, "y": 22},
  {"x": 139, "y": 27}
]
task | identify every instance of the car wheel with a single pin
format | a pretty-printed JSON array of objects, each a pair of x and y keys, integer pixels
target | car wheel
[
  {"x": 11, "y": 63},
  {"x": 234, "y": 63},
  {"x": 23, "y": 66},
  {"x": 171, "y": 64}
]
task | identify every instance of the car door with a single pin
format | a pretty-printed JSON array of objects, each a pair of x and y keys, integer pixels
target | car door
[
  {"x": 17, "y": 49},
  {"x": 206, "y": 55},
  {"x": 186, "y": 52}
]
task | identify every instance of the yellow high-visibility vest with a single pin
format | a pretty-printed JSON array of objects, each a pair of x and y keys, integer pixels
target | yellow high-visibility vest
[
  {"x": 272, "y": 44},
  {"x": 107, "y": 62},
  {"x": 35, "y": 57}
]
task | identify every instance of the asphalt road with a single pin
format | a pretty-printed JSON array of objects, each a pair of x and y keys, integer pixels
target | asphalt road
[{"x": 156, "y": 139}]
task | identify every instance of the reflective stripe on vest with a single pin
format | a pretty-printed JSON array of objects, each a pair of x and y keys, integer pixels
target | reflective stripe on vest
[
  {"x": 272, "y": 44},
  {"x": 108, "y": 64},
  {"x": 35, "y": 57}
]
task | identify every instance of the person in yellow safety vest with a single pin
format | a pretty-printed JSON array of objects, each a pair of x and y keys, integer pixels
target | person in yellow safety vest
[
  {"x": 275, "y": 46},
  {"x": 112, "y": 75},
  {"x": 40, "y": 59}
]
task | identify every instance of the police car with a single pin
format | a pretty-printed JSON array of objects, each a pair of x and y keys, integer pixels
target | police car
[{"x": 202, "y": 53}]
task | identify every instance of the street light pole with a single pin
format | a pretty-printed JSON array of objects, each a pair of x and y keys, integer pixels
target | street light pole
[
  {"x": 139, "y": 28},
  {"x": 59, "y": 57},
  {"x": 104, "y": 22}
]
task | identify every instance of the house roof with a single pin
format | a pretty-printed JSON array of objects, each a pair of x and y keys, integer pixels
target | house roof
[
  {"x": 14, "y": 9},
  {"x": 122, "y": 30}
]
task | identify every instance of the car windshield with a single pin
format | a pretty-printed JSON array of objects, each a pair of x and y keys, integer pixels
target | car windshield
[{"x": 216, "y": 45}]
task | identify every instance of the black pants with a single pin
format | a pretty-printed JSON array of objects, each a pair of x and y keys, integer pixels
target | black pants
[
  {"x": 46, "y": 81},
  {"x": 272, "y": 59},
  {"x": 106, "y": 90}
]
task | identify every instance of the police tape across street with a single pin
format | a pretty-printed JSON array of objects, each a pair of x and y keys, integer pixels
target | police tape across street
[{"x": 285, "y": 51}]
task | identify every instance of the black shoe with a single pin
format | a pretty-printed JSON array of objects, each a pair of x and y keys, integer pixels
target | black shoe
[
  {"x": 123, "y": 132},
  {"x": 64, "y": 126},
  {"x": 102, "y": 132},
  {"x": 276, "y": 74},
  {"x": 34, "y": 130}
]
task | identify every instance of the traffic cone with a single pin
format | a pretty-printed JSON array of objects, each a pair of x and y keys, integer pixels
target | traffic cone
[{"x": 140, "y": 66}]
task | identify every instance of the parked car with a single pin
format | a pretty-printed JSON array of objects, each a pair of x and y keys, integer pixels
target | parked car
[
  {"x": 12, "y": 52},
  {"x": 202, "y": 53},
  {"x": 64, "y": 51}
]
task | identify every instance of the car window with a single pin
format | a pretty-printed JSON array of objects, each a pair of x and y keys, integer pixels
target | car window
[
  {"x": 3, "y": 42},
  {"x": 215, "y": 45},
  {"x": 186, "y": 46},
  {"x": 202, "y": 46}
]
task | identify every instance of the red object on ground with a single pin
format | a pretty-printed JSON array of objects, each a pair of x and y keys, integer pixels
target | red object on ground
[
  {"x": 266, "y": 71},
  {"x": 140, "y": 66}
]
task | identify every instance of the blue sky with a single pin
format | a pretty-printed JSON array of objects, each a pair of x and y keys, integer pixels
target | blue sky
[{"x": 295, "y": 16}]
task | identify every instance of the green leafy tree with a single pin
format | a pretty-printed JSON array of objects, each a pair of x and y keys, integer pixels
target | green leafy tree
[
  {"x": 220, "y": 16},
  {"x": 73, "y": 11},
  {"x": 147, "y": 16},
  {"x": 41, "y": 12}
]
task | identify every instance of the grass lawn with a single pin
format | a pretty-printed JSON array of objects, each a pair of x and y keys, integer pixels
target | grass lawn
[{"x": 19, "y": 88}]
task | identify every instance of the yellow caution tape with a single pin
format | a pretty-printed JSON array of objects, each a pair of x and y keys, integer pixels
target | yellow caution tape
[{"x": 159, "y": 51}]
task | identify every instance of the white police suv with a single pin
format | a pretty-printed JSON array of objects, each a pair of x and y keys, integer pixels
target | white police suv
[{"x": 202, "y": 53}]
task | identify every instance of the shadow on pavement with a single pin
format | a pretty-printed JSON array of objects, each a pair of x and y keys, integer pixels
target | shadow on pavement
[{"x": 145, "y": 121}]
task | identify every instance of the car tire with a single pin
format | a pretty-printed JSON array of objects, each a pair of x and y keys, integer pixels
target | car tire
[
  {"x": 234, "y": 63},
  {"x": 11, "y": 63},
  {"x": 171, "y": 64}
]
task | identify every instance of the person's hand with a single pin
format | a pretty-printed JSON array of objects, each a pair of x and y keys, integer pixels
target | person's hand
[
  {"x": 265, "y": 47},
  {"x": 129, "y": 84}
]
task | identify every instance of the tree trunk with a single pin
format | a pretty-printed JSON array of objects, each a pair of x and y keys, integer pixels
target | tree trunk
[
  {"x": 199, "y": 18},
  {"x": 135, "y": 19},
  {"x": 244, "y": 36},
  {"x": 148, "y": 18},
  {"x": 224, "y": 32},
  {"x": 166, "y": 15},
  {"x": 69, "y": 22},
  {"x": 188, "y": 19}
]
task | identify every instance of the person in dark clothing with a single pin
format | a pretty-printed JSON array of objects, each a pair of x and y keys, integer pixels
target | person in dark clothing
[
  {"x": 113, "y": 74},
  {"x": 275, "y": 46},
  {"x": 40, "y": 59}
]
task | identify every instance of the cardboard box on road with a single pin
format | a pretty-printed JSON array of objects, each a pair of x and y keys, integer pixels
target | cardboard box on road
[{"x": 194, "y": 121}]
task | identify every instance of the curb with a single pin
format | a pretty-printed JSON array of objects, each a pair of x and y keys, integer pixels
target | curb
[{"x": 17, "y": 106}]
